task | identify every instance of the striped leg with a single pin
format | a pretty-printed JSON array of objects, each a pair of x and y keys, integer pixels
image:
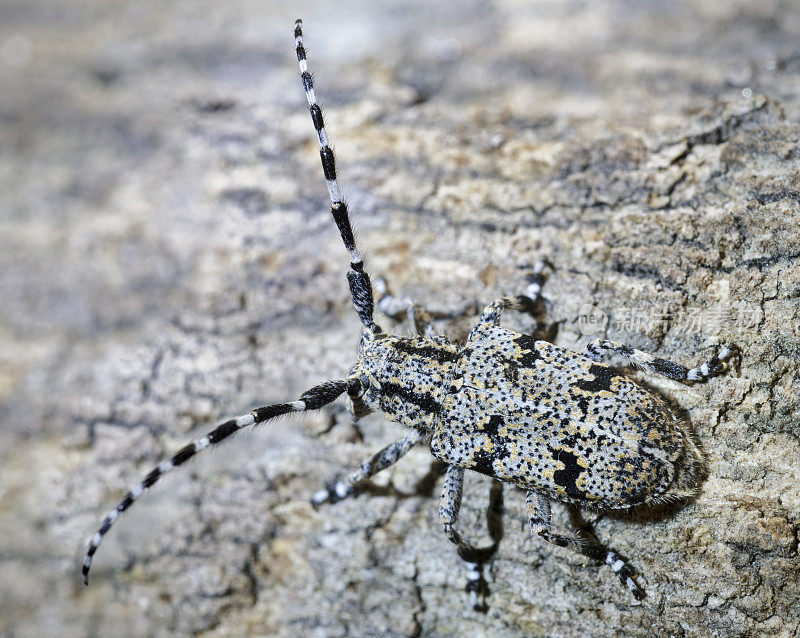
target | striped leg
[
  {"x": 313, "y": 399},
  {"x": 388, "y": 456},
  {"x": 599, "y": 348},
  {"x": 539, "y": 514},
  {"x": 360, "y": 287},
  {"x": 526, "y": 302},
  {"x": 393, "y": 306},
  {"x": 418, "y": 316},
  {"x": 474, "y": 557}
]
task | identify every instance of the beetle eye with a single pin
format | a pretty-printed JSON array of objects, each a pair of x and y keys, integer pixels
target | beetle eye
[{"x": 355, "y": 388}]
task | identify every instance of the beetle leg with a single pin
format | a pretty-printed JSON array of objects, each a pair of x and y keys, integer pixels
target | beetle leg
[
  {"x": 600, "y": 348},
  {"x": 539, "y": 514},
  {"x": 395, "y": 307},
  {"x": 418, "y": 316},
  {"x": 475, "y": 558},
  {"x": 527, "y": 302},
  {"x": 340, "y": 489}
]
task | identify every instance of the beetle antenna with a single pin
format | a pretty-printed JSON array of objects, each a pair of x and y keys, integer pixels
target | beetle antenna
[
  {"x": 312, "y": 399},
  {"x": 360, "y": 286}
]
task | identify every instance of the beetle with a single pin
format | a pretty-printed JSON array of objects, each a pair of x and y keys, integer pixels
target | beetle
[{"x": 560, "y": 425}]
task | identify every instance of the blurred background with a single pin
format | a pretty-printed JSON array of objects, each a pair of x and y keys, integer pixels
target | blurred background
[{"x": 167, "y": 259}]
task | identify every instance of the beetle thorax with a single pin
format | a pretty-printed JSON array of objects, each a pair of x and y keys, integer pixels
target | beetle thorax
[{"x": 404, "y": 378}]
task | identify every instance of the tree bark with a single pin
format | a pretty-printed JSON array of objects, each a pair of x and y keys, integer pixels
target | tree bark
[{"x": 168, "y": 259}]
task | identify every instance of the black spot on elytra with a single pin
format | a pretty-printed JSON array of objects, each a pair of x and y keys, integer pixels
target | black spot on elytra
[
  {"x": 482, "y": 462},
  {"x": 568, "y": 477},
  {"x": 511, "y": 373},
  {"x": 495, "y": 421},
  {"x": 574, "y": 440},
  {"x": 482, "y": 459},
  {"x": 583, "y": 404},
  {"x": 528, "y": 353},
  {"x": 603, "y": 376}
]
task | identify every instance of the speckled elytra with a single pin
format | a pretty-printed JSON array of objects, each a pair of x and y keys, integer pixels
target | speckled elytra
[{"x": 560, "y": 425}]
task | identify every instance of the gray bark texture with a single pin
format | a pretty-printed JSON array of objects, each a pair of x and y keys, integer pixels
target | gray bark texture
[{"x": 167, "y": 259}]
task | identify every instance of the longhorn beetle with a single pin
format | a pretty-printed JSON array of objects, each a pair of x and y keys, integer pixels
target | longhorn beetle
[{"x": 560, "y": 425}]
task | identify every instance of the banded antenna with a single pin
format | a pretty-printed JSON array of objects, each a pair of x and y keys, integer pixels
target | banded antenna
[{"x": 360, "y": 286}]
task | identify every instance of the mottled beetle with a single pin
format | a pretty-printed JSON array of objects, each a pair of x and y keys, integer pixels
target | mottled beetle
[{"x": 560, "y": 425}]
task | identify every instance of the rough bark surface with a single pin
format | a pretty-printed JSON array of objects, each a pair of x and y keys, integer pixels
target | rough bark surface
[{"x": 167, "y": 259}]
